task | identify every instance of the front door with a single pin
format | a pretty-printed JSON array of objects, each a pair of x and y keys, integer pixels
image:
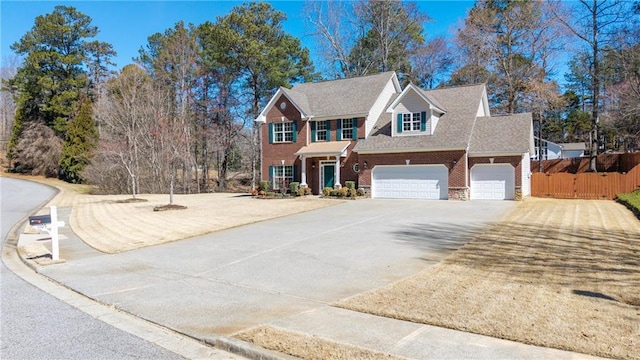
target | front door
[{"x": 328, "y": 176}]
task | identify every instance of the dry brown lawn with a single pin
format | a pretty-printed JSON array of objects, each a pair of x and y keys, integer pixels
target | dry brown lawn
[
  {"x": 554, "y": 273},
  {"x": 110, "y": 225},
  {"x": 308, "y": 347}
]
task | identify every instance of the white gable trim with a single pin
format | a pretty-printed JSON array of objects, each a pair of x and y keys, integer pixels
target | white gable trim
[
  {"x": 262, "y": 118},
  {"x": 396, "y": 82},
  {"x": 417, "y": 90},
  {"x": 485, "y": 101}
]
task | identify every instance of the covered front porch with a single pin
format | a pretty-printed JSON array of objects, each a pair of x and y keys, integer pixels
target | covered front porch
[{"x": 321, "y": 164}]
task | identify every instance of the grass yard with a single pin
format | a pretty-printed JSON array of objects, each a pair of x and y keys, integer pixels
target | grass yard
[
  {"x": 554, "y": 273},
  {"x": 631, "y": 200}
]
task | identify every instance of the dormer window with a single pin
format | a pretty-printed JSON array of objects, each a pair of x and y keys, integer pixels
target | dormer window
[{"x": 412, "y": 122}]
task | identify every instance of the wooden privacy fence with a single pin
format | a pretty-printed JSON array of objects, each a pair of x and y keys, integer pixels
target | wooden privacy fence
[{"x": 584, "y": 185}]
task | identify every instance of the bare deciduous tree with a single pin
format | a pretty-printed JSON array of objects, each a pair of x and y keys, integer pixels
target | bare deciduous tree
[
  {"x": 511, "y": 45},
  {"x": 334, "y": 28},
  {"x": 595, "y": 23},
  {"x": 432, "y": 61},
  {"x": 38, "y": 151},
  {"x": 7, "y": 105}
]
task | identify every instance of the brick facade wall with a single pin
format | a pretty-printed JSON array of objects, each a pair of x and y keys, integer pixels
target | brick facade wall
[
  {"x": 454, "y": 160},
  {"x": 273, "y": 154}
]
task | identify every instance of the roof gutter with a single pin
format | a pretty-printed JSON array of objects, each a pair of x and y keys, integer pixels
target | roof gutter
[
  {"x": 498, "y": 153},
  {"x": 333, "y": 117},
  {"x": 406, "y": 150}
]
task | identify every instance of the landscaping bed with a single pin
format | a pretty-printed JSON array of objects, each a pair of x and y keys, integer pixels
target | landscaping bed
[{"x": 554, "y": 273}]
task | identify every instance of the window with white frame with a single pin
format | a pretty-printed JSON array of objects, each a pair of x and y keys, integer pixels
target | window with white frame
[
  {"x": 283, "y": 132},
  {"x": 347, "y": 129},
  {"x": 321, "y": 131},
  {"x": 282, "y": 176},
  {"x": 411, "y": 121}
]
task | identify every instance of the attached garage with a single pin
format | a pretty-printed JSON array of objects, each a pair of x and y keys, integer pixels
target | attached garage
[
  {"x": 410, "y": 182},
  {"x": 492, "y": 182}
]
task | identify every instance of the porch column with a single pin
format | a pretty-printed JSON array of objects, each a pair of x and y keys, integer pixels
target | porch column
[
  {"x": 303, "y": 177},
  {"x": 337, "y": 174}
]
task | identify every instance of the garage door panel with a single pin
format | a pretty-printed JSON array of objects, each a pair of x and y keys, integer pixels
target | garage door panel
[
  {"x": 492, "y": 182},
  {"x": 413, "y": 181}
]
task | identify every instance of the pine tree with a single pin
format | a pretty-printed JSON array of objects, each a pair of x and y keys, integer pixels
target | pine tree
[{"x": 53, "y": 79}]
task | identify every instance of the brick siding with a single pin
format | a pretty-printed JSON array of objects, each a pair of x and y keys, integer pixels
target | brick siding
[
  {"x": 273, "y": 154},
  {"x": 454, "y": 160}
]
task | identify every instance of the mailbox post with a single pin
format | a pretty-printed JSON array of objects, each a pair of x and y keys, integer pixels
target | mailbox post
[
  {"x": 50, "y": 224},
  {"x": 55, "y": 248}
]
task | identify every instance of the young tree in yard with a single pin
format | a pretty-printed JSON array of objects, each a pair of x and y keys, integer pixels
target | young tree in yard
[
  {"x": 594, "y": 23},
  {"x": 53, "y": 77},
  {"x": 80, "y": 140},
  {"x": 173, "y": 140},
  {"x": 265, "y": 56}
]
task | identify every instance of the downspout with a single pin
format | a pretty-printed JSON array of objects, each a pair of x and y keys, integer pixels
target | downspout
[
  {"x": 261, "y": 154},
  {"x": 466, "y": 168}
]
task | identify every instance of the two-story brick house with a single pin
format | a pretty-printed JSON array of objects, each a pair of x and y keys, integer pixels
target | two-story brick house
[{"x": 410, "y": 143}]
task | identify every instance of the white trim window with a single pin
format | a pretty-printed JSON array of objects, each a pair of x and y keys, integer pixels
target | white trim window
[
  {"x": 321, "y": 131},
  {"x": 347, "y": 129},
  {"x": 283, "y": 132},
  {"x": 282, "y": 176},
  {"x": 411, "y": 121}
]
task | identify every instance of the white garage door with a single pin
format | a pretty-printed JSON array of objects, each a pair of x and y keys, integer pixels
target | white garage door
[
  {"x": 410, "y": 182},
  {"x": 492, "y": 182}
]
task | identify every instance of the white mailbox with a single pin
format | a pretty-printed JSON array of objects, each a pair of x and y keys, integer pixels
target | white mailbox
[{"x": 50, "y": 224}]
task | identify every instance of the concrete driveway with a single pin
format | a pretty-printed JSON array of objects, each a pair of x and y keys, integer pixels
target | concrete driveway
[{"x": 227, "y": 281}]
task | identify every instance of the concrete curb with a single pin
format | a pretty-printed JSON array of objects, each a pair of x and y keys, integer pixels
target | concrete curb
[
  {"x": 181, "y": 344},
  {"x": 247, "y": 350}
]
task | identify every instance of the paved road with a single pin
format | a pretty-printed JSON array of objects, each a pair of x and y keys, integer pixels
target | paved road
[
  {"x": 36, "y": 325},
  {"x": 231, "y": 280}
]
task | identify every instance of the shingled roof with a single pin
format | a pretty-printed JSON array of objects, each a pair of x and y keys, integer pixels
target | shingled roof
[
  {"x": 458, "y": 129},
  {"x": 502, "y": 134},
  {"x": 453, "y": 131},
  {"x": 339, "y": 97}
]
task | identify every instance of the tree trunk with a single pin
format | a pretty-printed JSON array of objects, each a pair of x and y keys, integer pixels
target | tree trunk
[
  {"x": 133, "y": 185},
  {"x": 593, "y": 154},
  {"x": 172, "y": 177}
]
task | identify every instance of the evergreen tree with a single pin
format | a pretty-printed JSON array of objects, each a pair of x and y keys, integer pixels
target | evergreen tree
[
  {"x": 80, "y": 141},
  {"x": 53, "y": 77},
  {"x": 262, "y": 54}
]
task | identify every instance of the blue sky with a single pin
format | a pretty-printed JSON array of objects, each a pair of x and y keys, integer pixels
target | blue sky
[{"x": 127, "y": 24}]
